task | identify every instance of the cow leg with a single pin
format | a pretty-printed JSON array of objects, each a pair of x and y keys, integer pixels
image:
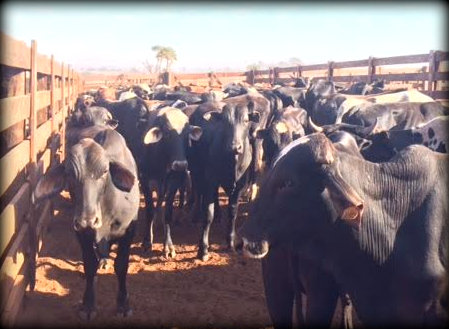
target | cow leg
[
  {"x": 322, "y": 294},
  {"x": 169, "y": 249},
  {"x": 207, "y": 211},
  {"x": 217, "y": 209},
  {"x": 121, "y": 269},
  {"x": 278, "y": 285},
  {"x": 298, "y": 287},
  {"x": 87, "y": 310},
  {"x": 148, "y": 231},
  {"x": 232, "y": 214},
  {"x": 102, "y": 250}
]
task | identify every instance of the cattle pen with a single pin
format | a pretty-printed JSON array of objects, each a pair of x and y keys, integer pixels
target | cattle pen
[{"x": 38, "y": 94}]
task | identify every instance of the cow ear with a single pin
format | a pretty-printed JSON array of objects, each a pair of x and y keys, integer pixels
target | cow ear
[
  {"x": 254, "y": 116},
  {"x": 195, "y": 132},
  {"x": 112, "y": 123},
  {"x": 261, "y": 133},
  {"x": 52, "y": 183},
  {"x": 122, "y": 178},
  {"x": 345, "y": 200},
  {"x": 153, "y": 135}
]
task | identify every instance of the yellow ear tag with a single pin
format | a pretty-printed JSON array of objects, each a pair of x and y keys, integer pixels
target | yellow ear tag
[{"x": 281, "y": 127}]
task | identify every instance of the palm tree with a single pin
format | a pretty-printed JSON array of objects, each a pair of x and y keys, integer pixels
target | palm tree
[{"x": 164, "y": 53}]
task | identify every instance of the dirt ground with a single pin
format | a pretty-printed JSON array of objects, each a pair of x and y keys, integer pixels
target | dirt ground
[{"x": 226, "y": 291}]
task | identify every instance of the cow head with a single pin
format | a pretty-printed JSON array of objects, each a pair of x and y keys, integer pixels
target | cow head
[
  {"x": 93, "y": 115},
  {"x": 238, "y": 121},
  {"x": 281, "y": 132},
  {"x": 142, "y": 90},
  {"x": 302, "y": 195},
  {"x": 88, "y": 174},
  {"x": 172, "y": 134},
  {"x": 318, "y": 89}
]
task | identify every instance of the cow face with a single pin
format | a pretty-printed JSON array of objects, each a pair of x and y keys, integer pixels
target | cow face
[
  {"x": 238, "y": 122},
  {"x": 89, "y": 175},
  {"x": 93, "y": 115},
  {"x": 275, "y": 138},
  {"x": 317, "y": 90},
  {"x": 171, "y": 134},
  {"x": 143, "y": 91},
  {"x": 302, "y": 193}
]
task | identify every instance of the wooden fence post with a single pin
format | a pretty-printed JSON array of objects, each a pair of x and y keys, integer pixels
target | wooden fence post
[
  {"x": 271, "y": 76},
  {"x": 52, "y": 94},
  {"x": 33, "y": 170},
  {"x": 62, "y": 109},
  {"x": 250, "y": 77},
  {"x": 431, "y": 72},
  {"x": 371, "y": 69},
  {"x": 33, "y": 90},
  {"x": 330, "y": 71},
  {"x": 275, "y": 75}
]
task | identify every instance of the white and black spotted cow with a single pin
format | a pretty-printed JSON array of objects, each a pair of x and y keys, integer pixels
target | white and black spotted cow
[{"x": 433, "y": 134}]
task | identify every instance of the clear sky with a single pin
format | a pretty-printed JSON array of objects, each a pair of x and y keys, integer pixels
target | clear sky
[{"x": 211, "y": 36}]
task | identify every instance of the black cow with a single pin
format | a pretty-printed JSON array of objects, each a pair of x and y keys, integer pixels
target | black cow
[
  {"x": 259, "y": 107},
  {"x": 317, "y": 89},
  {"x": 131, "y": 114},
  {"x": 288, "y": 124},
  {"x": 289, "y": 274},
  {"x": 388, "y": 116},
  {"x": 364, "y": 88},
  {"x": 291, "y": 96},
  {"x": 163, "y": 166},
  {"x": 384, "y": 145},
  {"x": 235, "y": 89},
  {"x": 142, "y": 90},
  {"x": 101, "y": 176},
  {"x": 333, "y": 107},
  {"x": 379, "y": 229},
  {"x": 88, "y": 115},
  {"x": 222, "y": 158}
]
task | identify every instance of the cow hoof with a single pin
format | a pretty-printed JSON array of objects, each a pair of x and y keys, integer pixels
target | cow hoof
[
  {"x": 204, "y": 256},
  {"x": 147, "y": 249},
  {"x": 170, "y": 252},
  {"x": 87, "y": 314}
]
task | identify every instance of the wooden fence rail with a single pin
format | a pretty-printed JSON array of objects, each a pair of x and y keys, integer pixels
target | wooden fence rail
[{"x": 37, "y": 93}]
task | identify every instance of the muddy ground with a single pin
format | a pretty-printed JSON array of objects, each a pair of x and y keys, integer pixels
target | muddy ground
[{"x": 226, "y": 291}]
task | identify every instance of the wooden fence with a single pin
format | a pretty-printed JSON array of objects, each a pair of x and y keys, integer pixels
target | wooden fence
[
  {"x": 37, "y": 94},
  {"x": 431, "y": 76},
  {"x": 426, "y": 72},
  {"x": 94, "y": 81}
]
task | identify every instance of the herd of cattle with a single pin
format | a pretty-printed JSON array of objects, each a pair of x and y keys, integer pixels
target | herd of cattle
[{"x": 347, "y": 190}]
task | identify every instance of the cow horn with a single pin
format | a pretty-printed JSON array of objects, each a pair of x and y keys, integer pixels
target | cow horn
[{"x": 315, "y": 128}]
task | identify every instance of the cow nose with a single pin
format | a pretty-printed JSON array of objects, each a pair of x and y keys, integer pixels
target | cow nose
[
  {"x": 93, "y": 222},
  {"x": 179, "y": 165},
  {"x": 237, "y": 148}
]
